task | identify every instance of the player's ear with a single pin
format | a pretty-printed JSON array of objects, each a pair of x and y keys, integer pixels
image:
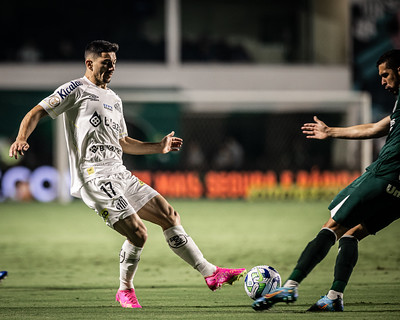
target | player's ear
[{"x": 89, "y": 64}]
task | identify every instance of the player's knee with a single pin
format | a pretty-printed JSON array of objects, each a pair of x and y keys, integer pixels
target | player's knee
[
  {"x": 138, "y": 236},
  {"x": 142, "y": 234},
  {"x": 359, "y": 232},
  {"x": 336, "y": 228}
]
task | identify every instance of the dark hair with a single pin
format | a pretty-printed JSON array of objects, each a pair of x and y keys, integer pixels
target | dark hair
[
  {"x": 392, "y": 59},
  {"x": 96, "y": 47}
]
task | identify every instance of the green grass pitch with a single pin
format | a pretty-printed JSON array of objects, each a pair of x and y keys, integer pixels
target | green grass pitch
[{"x": 63, "y": 263}]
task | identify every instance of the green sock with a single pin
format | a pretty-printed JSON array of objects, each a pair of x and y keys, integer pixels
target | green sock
[
  {"x": 345, "y": 262},
  {"x": 315, "y": 251}
]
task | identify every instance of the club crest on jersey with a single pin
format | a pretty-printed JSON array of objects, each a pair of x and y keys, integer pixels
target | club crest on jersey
[
  {"x": 121, "y": 203},
  {"x": 54, "y": 101},
  {"x": 95, "y": 120},
  {"x": 64, "y": 92}
]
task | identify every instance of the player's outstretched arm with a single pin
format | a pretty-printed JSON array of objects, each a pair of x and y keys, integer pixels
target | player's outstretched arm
[
  {"x": 28, "y": 124},
  {"x": 316, "y": 130},
  {"x": 171, "y": 143},
  {"x": 319, "y": 130},
  {"x": 167, "y": 144}
]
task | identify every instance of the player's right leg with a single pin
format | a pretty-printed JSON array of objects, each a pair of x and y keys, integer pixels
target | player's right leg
[
  {"x": 280, "y": 294},
  {"x": 136, "y": 233},
  {"x": 106, "y": 197}
]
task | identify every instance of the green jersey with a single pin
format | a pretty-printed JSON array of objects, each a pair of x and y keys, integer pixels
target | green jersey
[{"x": 387, "y": 165}]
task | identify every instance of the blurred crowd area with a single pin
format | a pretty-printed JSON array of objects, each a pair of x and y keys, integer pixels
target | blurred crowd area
[
  {"x": 352, "y": 33},
  {"x": 210, "y": 31}
]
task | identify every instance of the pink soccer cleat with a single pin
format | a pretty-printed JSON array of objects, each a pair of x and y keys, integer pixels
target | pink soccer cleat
[
  {"x": 127, "y": 299},
  {"x": 224, "y": 276}
]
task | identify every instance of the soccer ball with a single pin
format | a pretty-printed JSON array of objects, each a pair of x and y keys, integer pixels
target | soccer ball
[{"x": 261, "y": 280}]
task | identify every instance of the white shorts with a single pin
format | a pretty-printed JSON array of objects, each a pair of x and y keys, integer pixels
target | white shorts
[{"x": 117, "y": 196}]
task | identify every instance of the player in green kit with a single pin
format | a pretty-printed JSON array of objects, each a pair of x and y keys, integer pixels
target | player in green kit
[{"x": 366, "y": 206}]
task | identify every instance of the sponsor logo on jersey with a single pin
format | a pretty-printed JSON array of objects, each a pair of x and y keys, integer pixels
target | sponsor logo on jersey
[
  {"x": 117, "y": 107},
  {"x": 93, "y": 97},
  {"x": 54, "y": 101},
  {"x": 64, "y": 92},
  {"x": 110, "y": 123},
  {"x": 104, "y": 214},
  {"x": 392, "y": 123},
  {"x": 95, "y": 120},
  {"x": 393, "y": 191},
  {"x": 107, "y": 106},
  {"x": 102, "y": 148}
]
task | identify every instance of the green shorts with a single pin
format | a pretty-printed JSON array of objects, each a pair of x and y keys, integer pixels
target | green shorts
[{"x": 370, "y": 200}]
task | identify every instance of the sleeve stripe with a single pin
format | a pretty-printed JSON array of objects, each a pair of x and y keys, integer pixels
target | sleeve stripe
[{"x": 49, "y": 109}]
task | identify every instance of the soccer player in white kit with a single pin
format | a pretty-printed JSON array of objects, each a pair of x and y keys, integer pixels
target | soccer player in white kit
[{"x": 97, "y": 137}]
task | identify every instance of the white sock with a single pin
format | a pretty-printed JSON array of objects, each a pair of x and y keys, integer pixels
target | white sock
[
  {"x": 291, "y": 284},
  {"x": 185, "y": 248},
  {"x": 332, "y": 294},
  {"x": 128, "y": 264}
]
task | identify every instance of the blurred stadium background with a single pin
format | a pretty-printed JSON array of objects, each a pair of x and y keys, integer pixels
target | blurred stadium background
[{"x": 236, "y": 79}]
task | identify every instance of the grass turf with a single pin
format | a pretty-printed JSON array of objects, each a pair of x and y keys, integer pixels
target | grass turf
[{"x": 63, "y": 263}]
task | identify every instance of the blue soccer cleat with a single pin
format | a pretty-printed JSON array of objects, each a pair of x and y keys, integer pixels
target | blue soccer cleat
[
  {"x": 3, "y": 275},
  {"x": 280, "y": 294},
  {"x": 326, "y": 304}
]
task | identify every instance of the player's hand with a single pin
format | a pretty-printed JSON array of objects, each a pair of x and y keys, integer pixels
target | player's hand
[
  {"x": 171, "y": 143},
  {"x": 18, "y": 148},
  {"x": 315, "y": 130}
]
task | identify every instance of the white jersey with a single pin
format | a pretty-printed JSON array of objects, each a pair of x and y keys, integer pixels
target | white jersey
[{"x": 94, "y": 123}]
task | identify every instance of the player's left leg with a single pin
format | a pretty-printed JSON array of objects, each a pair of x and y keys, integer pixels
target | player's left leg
[
  {"x": 159, "y": 211},
  {"x": 317, "y": 249},
  {"x": 345, "y": 262},
  {"x": 378, "y": 213},
  {"x": 350, "y": 208}
]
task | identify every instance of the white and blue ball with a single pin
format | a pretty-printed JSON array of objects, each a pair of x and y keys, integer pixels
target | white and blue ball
[{"x": 261, "y": 280}]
